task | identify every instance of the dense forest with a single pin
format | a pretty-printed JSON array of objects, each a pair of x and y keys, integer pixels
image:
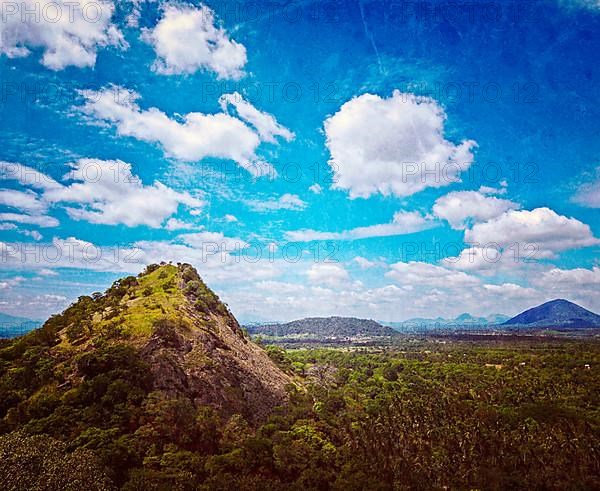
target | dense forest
[{"x": 427, "y": 414}]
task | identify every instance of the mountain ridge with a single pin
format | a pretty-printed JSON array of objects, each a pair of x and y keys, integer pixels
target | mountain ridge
[
  {"x": 558, "y": 313},
  {"x": 332, "y": 327},
  {"x": 11, "y": 326},
  {"x": 463, "y": 320}
]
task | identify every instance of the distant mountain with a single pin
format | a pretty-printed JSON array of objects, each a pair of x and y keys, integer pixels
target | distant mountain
[
  {"x": 11, "y": 326},
  {"x": 497, "y": 318},
  {"x": 461, "y": 321},
  {"x": 556, "y": 313},
  {"x": 320, "y": 328}
]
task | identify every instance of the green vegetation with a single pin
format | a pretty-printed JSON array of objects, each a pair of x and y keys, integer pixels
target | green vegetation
[
  {"x": 424, "y": 415},
  {"x": 79, "y": 408}
]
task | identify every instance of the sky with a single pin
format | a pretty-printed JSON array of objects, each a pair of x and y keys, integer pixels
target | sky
[{"x": 385, "y": 160}]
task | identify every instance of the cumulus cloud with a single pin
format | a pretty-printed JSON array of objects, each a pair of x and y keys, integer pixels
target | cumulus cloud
[
  {"x": 425, "y": 274},
  {"x": 535, "y": 234},
  {"x": 491, "y": 259},
  {"x": 187, "y": 39},
  {"x": 363, "y": 262},
  {"x": 475, "y": 259},
  {"x": 221, "y": 260},
  {"x": 27, "y": 201},
  {"x": 98, "y": 191},
  {"x": 508, "y": 291},
  {"x": 404, "y": 222},
  {"x": 192, "y": 137},
  {"x": 459, "y": 208},
  {"x": 68, "y": 253},
  {"x": 316, "y": 188},
  {"x": 27, "y": 176},
  {"x": 39, "y": 220},
  {"x": 330, "y": 274},
  {"x": 34, "y": 234},
  {"x": 393, "y": 146},
  {"x": 579, "y": 277},
  {"x": 27, "y": 207},
  {"x": 579, "y": 285},
  {"x": 108, "y": 193},
  {"x": 175, "y": 224},
  {"x": 285, "y": 202},
  {"x": 265, "y": 124},
  {"x": 68, "y": 32}
]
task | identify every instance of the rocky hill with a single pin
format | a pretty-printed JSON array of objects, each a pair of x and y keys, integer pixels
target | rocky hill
[
  {"x": 558, "y": 313},
  {"x": 324, "y": 328},
  {"x": 167, "y": 321}
]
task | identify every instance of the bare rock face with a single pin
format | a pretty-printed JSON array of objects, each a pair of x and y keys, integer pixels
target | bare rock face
[{"x": 204, "y": 355}]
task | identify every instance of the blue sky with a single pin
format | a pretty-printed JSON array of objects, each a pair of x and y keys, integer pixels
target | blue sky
[{"x": 375, "y": 159}]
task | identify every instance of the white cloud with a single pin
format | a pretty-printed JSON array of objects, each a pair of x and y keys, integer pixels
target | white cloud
[
  {"x": 588, "y": 194},
  {"x": 285, "y": 202},
  {"x": 492, "y": 190},
  {"x": 175, "y": 224},
  {"x": 230, "y": 218},
  {"x": 535, "y": 234},
  {"x": 363, "y": 262},
  {"x": 39, "y": 220},
  {"x": 26, "y": 201},
  {"x": 265, "y": 124},
  {"x": 425, "y": 274},
  {"x": 30, "y": 205},
  {"x": 404, "y": 222},
  {"x": 192, "y": 137},
  {"x": 316, "y": 188},
  {"x": 579, "y": 285},
  {"x": 571, "y": 278},
  {"x": 214, "y": 241},
  {"x": 329, "y": 274},
  {"x": 68, "y": 32},
  {"x": 107, "y": 192},
  {"x": 511, "y": 291},
  {"x": 219, "y": 259},
  {"x": 68, "y": 253},
  {"x": 481, "y": 259},
  {"x": 100, "y": 191},
  {"x": 135, "y": 13},
  {"x": 34, "y": 234},
  {"x": 461, "y": 207},
  {"x": 27, "y": 176},
  {"x": 11, "y": 282},
  {"x": 186, "y": 40},
  {"x": 393, "y": 146}
]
